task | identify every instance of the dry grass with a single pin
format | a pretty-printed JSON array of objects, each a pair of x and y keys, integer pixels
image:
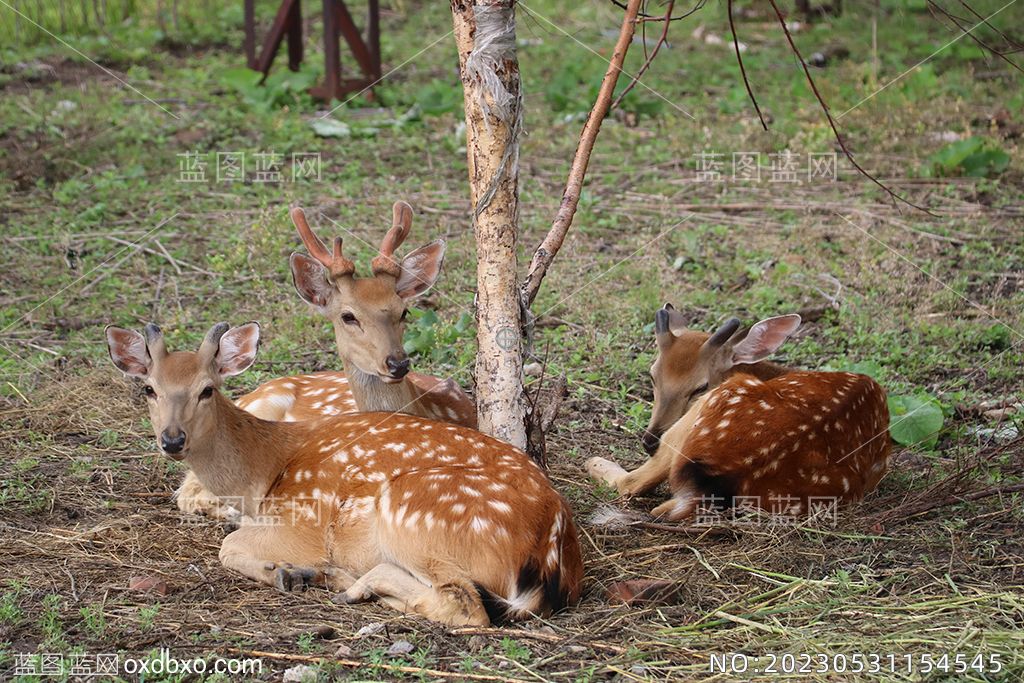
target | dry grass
[{"x": 931, "y": 563}]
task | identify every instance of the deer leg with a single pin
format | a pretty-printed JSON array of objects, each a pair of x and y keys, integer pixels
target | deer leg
[
  {"x": 681, "y": 505},
  {"x": 641, "y": 480},
  {"x": 285, "y": 557},
  {"x": 193, "y": 498},
  {"x": 454, "y": 601}
]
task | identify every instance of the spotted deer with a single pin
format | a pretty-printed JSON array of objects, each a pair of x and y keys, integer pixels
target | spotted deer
[
  {"x": 433, "y": 518},
  {"x": 369, "y": 320},
  {"x": 729, "y": 427},
  {"x": 369, "y": 316}
]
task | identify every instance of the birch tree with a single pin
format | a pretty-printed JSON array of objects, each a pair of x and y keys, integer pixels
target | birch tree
[{"x": 486, "y": 40}]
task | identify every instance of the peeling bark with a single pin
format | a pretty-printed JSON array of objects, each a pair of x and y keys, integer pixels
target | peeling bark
[{"x": 485, "y": 37}]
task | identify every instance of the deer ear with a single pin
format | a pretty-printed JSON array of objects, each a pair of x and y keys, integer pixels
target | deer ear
[
  {"x": 420, "y": 270},
  {"x": 765, "y": 338},
  {"x": 310, "y": 280},
  {"x": 237, "y": 349},
  {"x": 669, "y": 320},
  {"x": 128, "y": 351}
]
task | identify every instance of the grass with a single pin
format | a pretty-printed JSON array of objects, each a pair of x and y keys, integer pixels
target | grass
[{"x": 931, "y": 304}]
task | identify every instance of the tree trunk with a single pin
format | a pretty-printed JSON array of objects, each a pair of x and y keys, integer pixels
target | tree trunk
[{"x": 485, "y": 37}]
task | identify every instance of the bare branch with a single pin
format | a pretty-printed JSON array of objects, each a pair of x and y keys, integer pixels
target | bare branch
[
  {"x": 644, "y": 17},
  {"x": 831, "y": 121},
  {"x": 743, "y": 70},
  {"x": 1015, "y": 44},
  {"x": 650, "y": 58},
  {"x": 546, "y": 252},
  {"x": 969, "y": 32}
]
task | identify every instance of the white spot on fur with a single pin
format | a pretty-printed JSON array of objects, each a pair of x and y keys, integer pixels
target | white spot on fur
[{"x": 500, "y": 506}]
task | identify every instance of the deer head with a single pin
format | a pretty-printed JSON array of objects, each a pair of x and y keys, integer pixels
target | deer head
[
  {"x": 369, "y": 313},
  {"x": 182, "y": 387},
  {"x": 689, "y": 363}
]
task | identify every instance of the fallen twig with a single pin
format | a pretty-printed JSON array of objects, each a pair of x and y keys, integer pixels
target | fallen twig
[
  {"x": 909, "y": 512},
  {"x": 536, "y": 635},
  {"x": 699, "y": 531},
  {"x": 418, "y": 670}
]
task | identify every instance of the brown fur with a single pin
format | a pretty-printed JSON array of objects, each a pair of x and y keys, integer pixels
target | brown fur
[
  {"x": 323, "y": 394},
  {"x": 758, "y": 434},
  {"x": 329, "y": 283},
  {"x": 433, "y": 518}
]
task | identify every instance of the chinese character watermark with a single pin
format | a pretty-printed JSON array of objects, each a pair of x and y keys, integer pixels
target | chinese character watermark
[
  {"x": 255, "y": 167},
  {"x": 781, "y": 167}
]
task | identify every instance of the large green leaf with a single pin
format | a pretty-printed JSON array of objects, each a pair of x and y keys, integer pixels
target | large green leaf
[
  {"x": 915, "y": 420},
  {"x": 975, "y": 157},
  {"x": 241, "y": 79}
]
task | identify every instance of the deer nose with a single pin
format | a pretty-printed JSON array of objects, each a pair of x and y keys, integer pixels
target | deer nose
[
  {"x": 172, "y": 444},
  {"x": 651, "y": 441},
  {"x": 398, "y": 368}
]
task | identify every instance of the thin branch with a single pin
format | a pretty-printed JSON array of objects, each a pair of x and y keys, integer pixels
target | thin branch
[
  {"x": 907, "y": 512},
  {"x": 1015, "y": 44},
  {"x": 743, "y": 70},
  {"x": 547, "y": 250},
  {"x": 831, "y": 121},
  {"x": 650, "y": 58},
  {"x": 970, "y": 34},
  {"x": 359, "y": 664},
  {"x": 644, "y": 17}
]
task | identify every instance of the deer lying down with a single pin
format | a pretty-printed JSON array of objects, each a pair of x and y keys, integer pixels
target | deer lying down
[
  {"x": 368, "y": 314},
  {"x": 433, "y": 518},
  {"x": 369, "y": 320},
  {"x": 732, "y": 428}
]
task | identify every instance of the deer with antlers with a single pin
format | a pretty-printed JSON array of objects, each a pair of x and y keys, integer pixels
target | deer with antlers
[
  {"x": 730, "y": 427},
  {"x": 368, "y": 315},
  {"x": 433, "y": 518}
]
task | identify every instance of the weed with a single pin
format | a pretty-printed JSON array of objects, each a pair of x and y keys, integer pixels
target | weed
[
  {"x": 94, "y": 620},
  {"x": 147, "y": 617},
  {"x": 516, "y": 651},
  {"x": 49, "y": 621}
]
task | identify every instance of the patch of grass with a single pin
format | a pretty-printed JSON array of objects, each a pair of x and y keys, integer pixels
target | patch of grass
[
  {"x": 515, "y": 650},
  {"x": 49, "y": 621},
  {"x": 147, "y": 617},
  {"x": 10, "y": 610},
  {"x": 93, "y": 620},
  {"x": 931, "y": 305}
]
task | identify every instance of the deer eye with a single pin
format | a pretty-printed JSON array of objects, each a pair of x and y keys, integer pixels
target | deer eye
[
  {"x": 699, "y": 390},
  {"x": 149, "y": 391},
  {"x": 205, "y": 393},
  {"x": 349, "y": 319}
]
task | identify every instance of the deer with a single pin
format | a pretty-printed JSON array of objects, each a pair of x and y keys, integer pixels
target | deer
[
  {"x": 732, "y": 428},
  {"x": 433, "y": 518},
  {"x": 368, "y": 315}
]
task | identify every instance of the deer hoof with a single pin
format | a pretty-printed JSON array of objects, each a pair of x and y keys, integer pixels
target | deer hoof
[
  {"x": 604, "y": 470},
  {"x": 346, "y": 599},
  {"x": 289, "y": 578}
]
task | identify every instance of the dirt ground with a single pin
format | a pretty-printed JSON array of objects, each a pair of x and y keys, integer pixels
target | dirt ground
[{"x": 930, "y": 564}]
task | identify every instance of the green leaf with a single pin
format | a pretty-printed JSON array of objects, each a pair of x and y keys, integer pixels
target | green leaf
[
  {"x": 331, "y": 128},
  {"x": 915, "y": 420},
  {"x": 865, "y": 367},
  {"x": 975, "y": 157},
  {"x": 985, "y": 163},
  {"x": 241, "y": 79}
]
